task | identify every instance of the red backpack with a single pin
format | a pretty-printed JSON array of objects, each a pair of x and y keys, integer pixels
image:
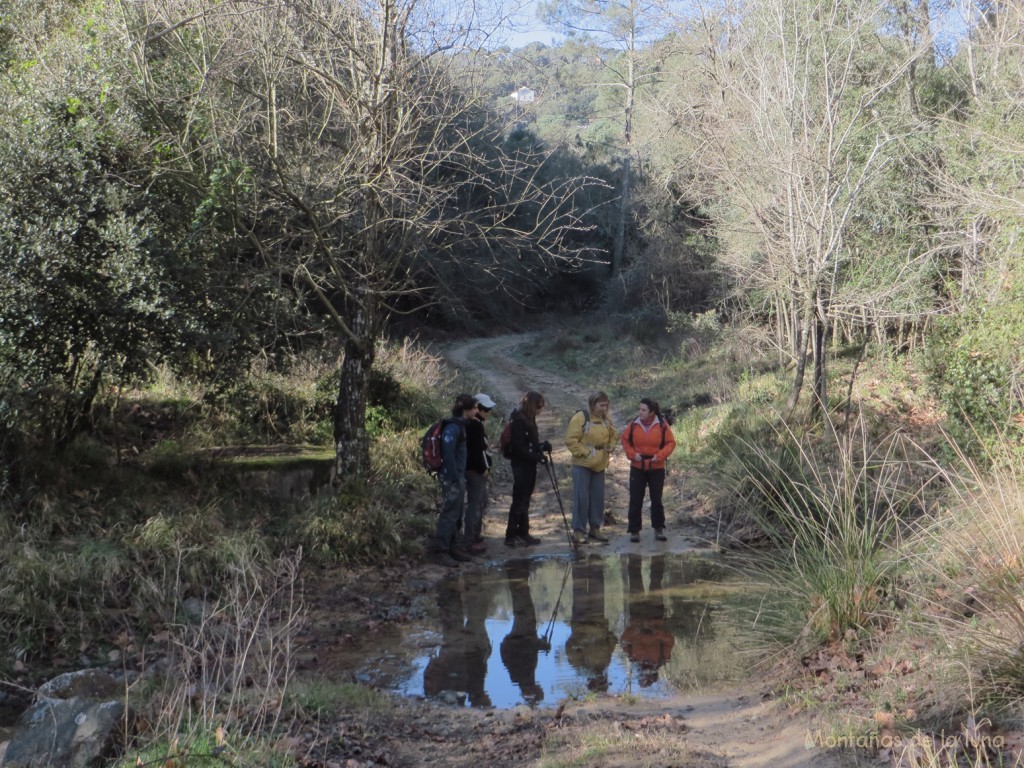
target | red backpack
[
  {"x": 430, "y": 445},
  {"x": 505, "y": 441}
]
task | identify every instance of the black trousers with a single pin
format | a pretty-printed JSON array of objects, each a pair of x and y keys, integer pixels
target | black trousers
[
  {"x": 639, "y": 481},
  {"x": 524, "y": 479}
]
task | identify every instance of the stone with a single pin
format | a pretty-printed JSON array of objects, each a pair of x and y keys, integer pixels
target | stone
[{"x": 74, "y": 732}]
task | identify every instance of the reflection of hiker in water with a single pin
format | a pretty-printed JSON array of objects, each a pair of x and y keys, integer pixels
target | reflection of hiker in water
[
  {"x": 521, "y": 645},
  {"x": 590, "y": 645},
  {"x": 646, "y": 638},
  {"x": 461, "y": 662}
]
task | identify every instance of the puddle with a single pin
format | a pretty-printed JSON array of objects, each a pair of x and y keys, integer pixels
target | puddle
[{"x": 538, "y": 631}]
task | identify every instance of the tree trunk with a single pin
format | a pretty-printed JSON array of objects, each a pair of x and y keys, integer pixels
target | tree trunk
[
  {"x": 351, "y": 443},
  {"x": 619, "y": 248},
  {"x": 820, "y": 401},
  {"x": 800, "y": 353}
]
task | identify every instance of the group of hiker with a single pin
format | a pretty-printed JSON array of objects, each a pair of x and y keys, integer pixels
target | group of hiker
[{"x": 591, "y": 437}]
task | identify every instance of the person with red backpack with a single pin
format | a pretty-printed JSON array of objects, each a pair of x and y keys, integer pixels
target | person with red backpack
[
  {"x": 648, "y": 441},
  {"x": 452, "y": 475}
]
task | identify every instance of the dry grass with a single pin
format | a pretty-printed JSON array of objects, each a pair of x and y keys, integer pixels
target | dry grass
[
  {"x": 222, "y": 685},
  {"x": 969, "y": 566},
  {"x": 832, "y": 505},
  {"x": 625, "y": 742}
]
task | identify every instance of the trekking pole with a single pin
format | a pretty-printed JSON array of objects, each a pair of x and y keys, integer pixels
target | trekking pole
[
  {"x": 550, "y": 631},
  {"x": 558, "y": 495}
]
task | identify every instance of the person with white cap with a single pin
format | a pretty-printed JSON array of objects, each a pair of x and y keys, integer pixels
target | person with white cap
[{"x": 478, "y": 465}]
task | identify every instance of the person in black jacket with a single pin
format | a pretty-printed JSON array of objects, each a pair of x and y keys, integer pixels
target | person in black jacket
[
  {"x": 522, "y": 646},
  {"x": 478, "y": 465},
  {"x": 526, "y": 452}
]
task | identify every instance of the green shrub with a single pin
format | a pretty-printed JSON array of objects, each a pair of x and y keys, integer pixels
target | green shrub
[
  {"x": 976, "y": 363},
  {"x": 764, "y": 389},
  {"x": 341, "y": 529}
]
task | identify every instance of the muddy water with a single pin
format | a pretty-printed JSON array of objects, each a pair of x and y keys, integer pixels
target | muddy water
[{"x": 539, "y": 631}]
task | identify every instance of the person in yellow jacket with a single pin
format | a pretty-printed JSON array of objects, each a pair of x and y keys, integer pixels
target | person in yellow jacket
[
  {"x": 648, "y": 441},
  {"x": 590, "y": 439}
]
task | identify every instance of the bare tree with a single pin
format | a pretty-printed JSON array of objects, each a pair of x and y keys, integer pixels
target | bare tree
[
  {"x": 977, "y": 205},
  {"x": 789, "y": 142},
  {"x": 356, "y": 164}
]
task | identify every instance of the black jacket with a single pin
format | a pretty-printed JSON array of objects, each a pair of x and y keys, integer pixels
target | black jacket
[
  {"x": 524, "y": 445},
  {"x": 478, "y": 458}
]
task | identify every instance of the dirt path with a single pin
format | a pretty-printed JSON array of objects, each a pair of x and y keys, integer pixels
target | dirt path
[{"x": 744, "y": 728}]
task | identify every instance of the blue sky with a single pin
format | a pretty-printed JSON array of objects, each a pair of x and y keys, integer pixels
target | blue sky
[
  {"x": 531, "y": 33},
  {"x": 526, "y": 28}
]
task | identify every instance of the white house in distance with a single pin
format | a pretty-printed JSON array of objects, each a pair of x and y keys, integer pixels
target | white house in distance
[{"x": 524, "y": 95}]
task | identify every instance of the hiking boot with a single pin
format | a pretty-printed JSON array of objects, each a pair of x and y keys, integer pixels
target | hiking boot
[
  {"x": 579, "y": 537},
  {"x": 510, "y": 541},
  {"x": 596, "y": 535},
  {"x": 634, "y": 536},
  {"x": 444, "y": 559},
  {"x": 460, "y": 554},
  {"x": 659, "y": 534},
  {"x": 528, "y": 540}
]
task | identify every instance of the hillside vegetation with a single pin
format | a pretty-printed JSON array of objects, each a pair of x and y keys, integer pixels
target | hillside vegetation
[{"x": 232, "y": 234}]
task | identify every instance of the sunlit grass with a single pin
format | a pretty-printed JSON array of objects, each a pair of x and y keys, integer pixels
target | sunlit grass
[
  {"x": 968, "y": 748},
  {"x": 328, "y": 696}
]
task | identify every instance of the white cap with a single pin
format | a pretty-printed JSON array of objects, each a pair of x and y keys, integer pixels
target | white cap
[{"x": 484, "y": 400}]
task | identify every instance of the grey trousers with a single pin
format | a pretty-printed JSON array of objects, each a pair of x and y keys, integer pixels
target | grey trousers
[
  {"x": 476, "y": 507},
  {"x": 587, "y": 499}
]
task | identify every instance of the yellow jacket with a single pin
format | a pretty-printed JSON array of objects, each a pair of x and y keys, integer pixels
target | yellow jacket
[{"x": 590, "y": 441}]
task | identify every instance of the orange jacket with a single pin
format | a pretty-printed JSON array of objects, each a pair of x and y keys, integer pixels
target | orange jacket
[
  {"x": 648, "y": 642},
  {"x": 639, "y": 442}
]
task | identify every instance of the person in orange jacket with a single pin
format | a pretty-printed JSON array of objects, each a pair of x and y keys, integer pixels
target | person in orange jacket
[
  {"x": 648, "y": 441},
  {"x": 646, "y": 639}
]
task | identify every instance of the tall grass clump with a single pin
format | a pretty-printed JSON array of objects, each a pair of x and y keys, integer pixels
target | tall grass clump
[
  {"x": 831, "y": 505},
  {"x": 230, "y": 661},
  {"x": 72, "y": 593},
  {"x": 380, "y": 520},
  {"x": 59, "y": 594},
  {"x": 970, "y": 569},
  {"x": 405, "y": 383},
  {"x": 347, "y": 528}
]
